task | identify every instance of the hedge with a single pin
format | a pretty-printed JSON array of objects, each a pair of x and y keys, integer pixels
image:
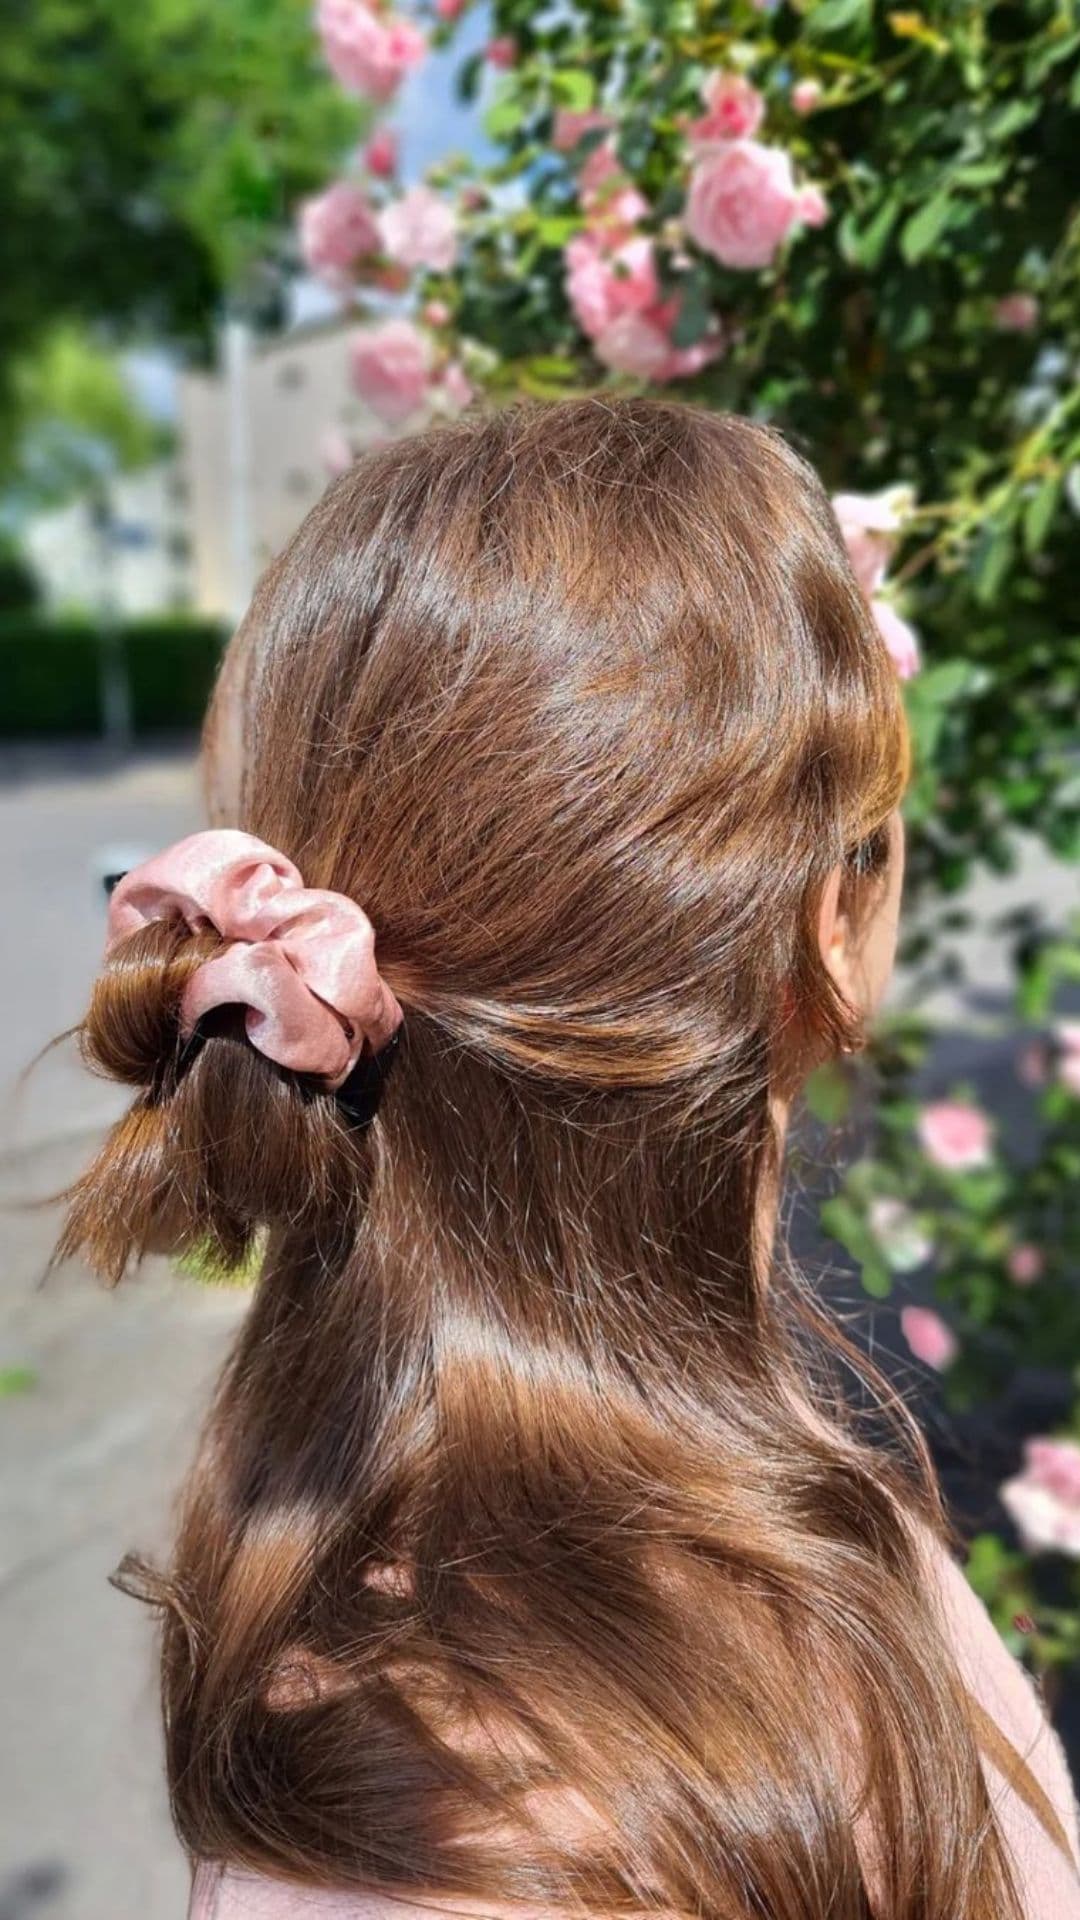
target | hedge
[{"x": 51, "y": 674}]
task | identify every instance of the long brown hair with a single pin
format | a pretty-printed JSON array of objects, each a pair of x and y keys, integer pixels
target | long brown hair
[{"x": 525, "y": 1555}]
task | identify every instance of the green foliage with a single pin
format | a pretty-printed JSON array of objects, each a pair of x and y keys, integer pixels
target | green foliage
[
  {"x": 51, "y": 674},
  {"x": 73, "y": 421},
  {"x": 149, "y": 154}
]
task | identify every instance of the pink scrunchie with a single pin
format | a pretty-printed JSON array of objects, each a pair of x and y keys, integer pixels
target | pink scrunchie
[{"x": 302, "y": 962}]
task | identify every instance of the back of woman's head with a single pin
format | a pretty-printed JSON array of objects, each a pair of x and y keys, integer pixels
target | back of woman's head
[{"x": 519, "y": 1558}]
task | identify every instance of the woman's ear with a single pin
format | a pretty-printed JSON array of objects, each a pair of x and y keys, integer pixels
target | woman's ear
[{"x": 835, "y": 939}]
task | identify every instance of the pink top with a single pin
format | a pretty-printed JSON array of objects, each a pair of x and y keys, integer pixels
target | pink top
[{"x": 1049, "y": 1886}]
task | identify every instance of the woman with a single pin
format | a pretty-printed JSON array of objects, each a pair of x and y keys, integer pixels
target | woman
[{"x": 528, "y": 1560}]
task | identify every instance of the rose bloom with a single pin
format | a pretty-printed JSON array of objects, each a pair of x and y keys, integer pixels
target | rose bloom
[
  {"x": 1025, "y": 1264},
  {"x": 742, "y": 203},
  {"x": 955, "y": 1135},
  {"x": 436, "y": 313},
  {"x": 899, "y": 1235},
  {"x": 602, "y": 285},
  {"x": 391, "y": 364},
  {"x": 870, "y": 523},
  {"x": 501, "y": 52},
  {"x": 612, "y": 205},
  {"x": 337, "y": 228},
  {"x": 454, "y": 392},
  {"x": 568, "y": 128},
  {"x": 930, "y": 1340},
  {"x": 368, "y": 53},
  {"x": 449, "y": 9},
  {"x": 1043, "y": 1500},
  {"x": 381, "y": 153},
  {"x": 1017, "y": 313},
  {"x": 813, "y": 208},
  {"x": 734, "y": 110},
  {"x": 420, "y": 230},
  {"x": 805, "y": 95},
  {"x": 900, "y": 638},
  {"x": 640, "y": 344}
]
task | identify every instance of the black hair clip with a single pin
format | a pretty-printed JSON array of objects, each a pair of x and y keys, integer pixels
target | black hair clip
[{"x": 359, "y": 1095}]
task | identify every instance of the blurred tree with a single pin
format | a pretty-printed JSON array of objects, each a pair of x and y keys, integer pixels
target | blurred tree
[
  {"x": 73, "y": 421},
  {"x": 148, "y": 154}
]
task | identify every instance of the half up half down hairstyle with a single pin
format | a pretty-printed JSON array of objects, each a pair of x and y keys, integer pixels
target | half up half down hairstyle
[{"x": 523, "y": 1559}]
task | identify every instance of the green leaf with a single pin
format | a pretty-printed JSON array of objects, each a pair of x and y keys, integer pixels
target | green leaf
[
  {"x": 1006, "y": 120},
  {"x": 923, "y": 229},
  {"x": 504, "y": 116},
  {"x": 695, "y": 310},
  {"x": 555, "y": 229},
  {"x": 826, "y": 17},
  {"x": 16, "y": 1380},
  {"x": 828, "y": 1094},
  {"x": 993, "y": 558},
  {"x": 864, "y": 245},
  {"x": 574, "y": 88},
  {"x": 1039, "y": 513}
]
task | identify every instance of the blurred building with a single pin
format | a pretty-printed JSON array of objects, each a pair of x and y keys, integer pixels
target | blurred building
[
  {"x": 128, "y": 551},
  {"x": 259, "y": 441}
]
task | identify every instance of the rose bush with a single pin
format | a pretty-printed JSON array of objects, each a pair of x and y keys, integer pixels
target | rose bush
[{"x": 861, "y": 224}]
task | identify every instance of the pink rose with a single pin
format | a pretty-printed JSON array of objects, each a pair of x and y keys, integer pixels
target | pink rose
[
  {"x": 805, "y": 95},
  {"x": 1043, "y": 1500},
  {"x": 930, "y": 1340},
  {"x": 381, "y": 153},
  {"x": 900, "y": 638},
  {"x": 601, "y": 285},
  {"x": 640, "y": 344},
  {"x": 955, "y": 1135},
  {"x": 1067, "y": 1034},
  {"x": 436, "y": 313},
  {"x": 390, "y": 368},
  {"x": 569, "y": 128},
  {"x": 420, "y": 230},
  {"x": 368, "y": 53},
  {"x": 1025, "y": 1264},
  {"x": 337, "y": 228},
  {"x": 449, "y": 9},
  {"x": 1016, "y": 313},
  {"x": 455, "y": 389},
  {"x": 501, "y": 52},
  {"x": 734, "y": 110},
  {"x": 742, "y": 203},
  {"x": 870, "y": 523},
  {"x": 813, "y": 208},
  {"x": 612, "y": 205}
]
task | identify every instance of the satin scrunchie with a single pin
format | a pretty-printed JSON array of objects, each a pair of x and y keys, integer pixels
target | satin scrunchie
[{"x": 302, "y": 961}]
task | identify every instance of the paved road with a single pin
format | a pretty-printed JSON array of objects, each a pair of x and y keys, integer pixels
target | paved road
[{"x": 91, "y": 1453}]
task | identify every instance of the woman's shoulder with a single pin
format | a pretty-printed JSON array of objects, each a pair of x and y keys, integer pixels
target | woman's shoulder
[{"x": 1009, "y": 1706}]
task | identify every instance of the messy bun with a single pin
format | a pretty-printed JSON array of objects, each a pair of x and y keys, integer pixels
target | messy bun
[{"x": 220, "y": 1142}]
